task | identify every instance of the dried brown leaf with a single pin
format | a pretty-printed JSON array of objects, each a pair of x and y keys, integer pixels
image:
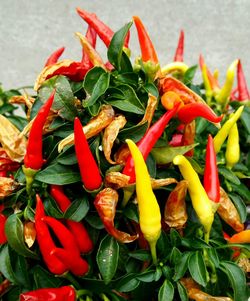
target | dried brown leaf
[
  {"x": 29, "y": 233},
  {"x": 110, "y": 134},
  {"x": 150, "y": 110},
  {"x": 228, "y": 212},
  {"x": 13, "y": 143},
  {"x": 7, "y": 186},
  {"x": 94, "y": 127}
]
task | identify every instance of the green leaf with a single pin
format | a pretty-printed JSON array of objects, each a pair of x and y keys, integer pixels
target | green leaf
[
  {"x": 134, "y": 133},
  {"x": 175, "y": 256},
  {"x": 197, "y": 268},
  {"x": 94, "y": 221},
  {"x": 64, "y": 101},
  {"x": 245, "y": 119},
  {"x": 213, "y": 256},
  {"x": 67, "y": 157},
  {"x": 91, "y": 78},
  {"x": 5, "y": 264},
  {"x": 166, "y": 292},
  {"x": 229, "y": 175},
  {"x": 147, "y": 276},
  {"x": 182, "y": 292},
  {"x": 164, "y": 155},
  {"x": 243, "y": 191},
  {"x": 107, "y": 258},
  {"x": 44, "y": 279},
  {"x": 240, "y": 206},
  {"x": 116, "y": 46},
  {"x": 58, "y": 174},
  {"x": 181, "y": 266},
  {"x": 99, "y": 89},
  {"x": 20, "y": 269},
  {"x": 151, "y": 88},
  {"x": 78, "y": 209},
  {"x": 126, "y": 100},
  {"x": 189, "y": 74},
  {"x": 127, "y": 283},
  {"x": 237, "y": 279},
  {"x": 131, "y": 212},
  {"x": 142, "y": 255},
  {"x": 129, "y": 78},
  {"x": 15, "y": 236}
]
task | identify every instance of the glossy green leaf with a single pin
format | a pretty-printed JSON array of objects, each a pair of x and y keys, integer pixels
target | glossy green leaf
[
  {"x": 182, "y": 292},
  {"x": 64, "y": 98},
  {"x": 175, "y": 256},
  {"x": 181, "y": 266},
  {"x": 245, "y": 119},
  {"x": 228, "y": 174},
  {"x": 127, "y": 283},
  {"x": 243, "y": 191},
  {"x": 151, "y": 89},
  {"x": 77, "y": 210},
  {"x": 91, "y": 78},
  {"x": 166, "y": 292},
  {"x": 43, "y": 278},
  {"x": 99, "y": 89},
  {"x": 116, "y": 46},
  {"x": 213, "y": 256},
  {"x": 134, "y": 133},
  {"x": 67, "y": 157},
  {"x": 164, "y": 155},
  {"x": 58, "y": 174},
  {"x": 107, "y": 258},
  {"x": 5, "y": 264},
  {"x": 189, "y": 74},
  {"x": 237, "y": 279},
  {"x": 240, "y": 206},
  {"x": 142, "y": 255},
  {"x": 147, "y": 276},
  {"x": 15, "y": 236},
  {"x": 197, "y": 268}
]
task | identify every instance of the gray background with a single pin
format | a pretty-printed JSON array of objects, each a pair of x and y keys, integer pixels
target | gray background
[{"x": 31, "y": 30}]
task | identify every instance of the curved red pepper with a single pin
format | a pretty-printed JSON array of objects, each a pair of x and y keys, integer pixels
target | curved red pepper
[
  {"x": 76, "y": 264},
  {"x": 148, "y": 52},
  {"x": 91, "y": 37},
  {"x": 50, "y": 294},
  {"x": 242, "y": 84},
  {"x": 34, "y": 154},
  {"x": 78, "y": 230},
  {"x": 180, "y": 48},
  {"x": 89, "y": 170},
  {"x": 147, "y": 142},
  {"x": 211, "y": 177},
  {"x": 3, "y": 238},
  {"x": 189, "y": 112},
  {"x": 54, "y": 56},
  {"x": 45, "y": 241},
  {"x": 103, "y": 30},
  {"x": 176, "y": 140}
]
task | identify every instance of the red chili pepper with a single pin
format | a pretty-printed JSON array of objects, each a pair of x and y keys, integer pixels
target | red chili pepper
[
  {"x": 76, "y": 264},
  {"x": 3, "y": 173},
  {"x": 45, "y": 241},
  {"x": 54, "y": 56},
  {"x": 3, "y": 238},
  {"x": 34, "y": 153},
  {"x": 103, "y": 30},
  {"x": 242, "y": 84},
  {"x": 6, "y": 164},
  {"x": 189, "y": 112},
  {"x": 78, "y": 230},
  {"x": 89, "y": 170},
  {"x": 91, "y": 37},
  {"x": 180, "y": 48},
  {"x": 127, "y": 38},
  {"x": 211, "y": 177},
  {"x": 147, "y": 142},
  {"x": 50, "y": 294},
  {"x": 148, "y": 52}
]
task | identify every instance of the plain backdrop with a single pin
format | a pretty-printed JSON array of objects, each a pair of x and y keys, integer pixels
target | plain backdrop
[{"x": 31, "y": 29}]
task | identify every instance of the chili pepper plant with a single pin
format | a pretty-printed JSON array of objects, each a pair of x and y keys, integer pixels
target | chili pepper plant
[{"x": 125, "y": 180}]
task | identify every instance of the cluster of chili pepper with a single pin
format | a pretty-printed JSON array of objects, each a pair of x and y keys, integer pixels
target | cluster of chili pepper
[
  {"x": 62, "y": 242},
  {"x": 58, "y": 259}
]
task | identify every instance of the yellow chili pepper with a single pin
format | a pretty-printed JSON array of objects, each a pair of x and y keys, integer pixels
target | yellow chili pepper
[
  {"x": 174, "y": 67},
  {"x": 221, "y": 136},
  {"x": 223, "y": 96},
  {"x": 233, "y": 147},
  {"x": 200, "y": 201},
  {"x": 149, "y": 210},
  {"x": 207, "y": 85}
]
